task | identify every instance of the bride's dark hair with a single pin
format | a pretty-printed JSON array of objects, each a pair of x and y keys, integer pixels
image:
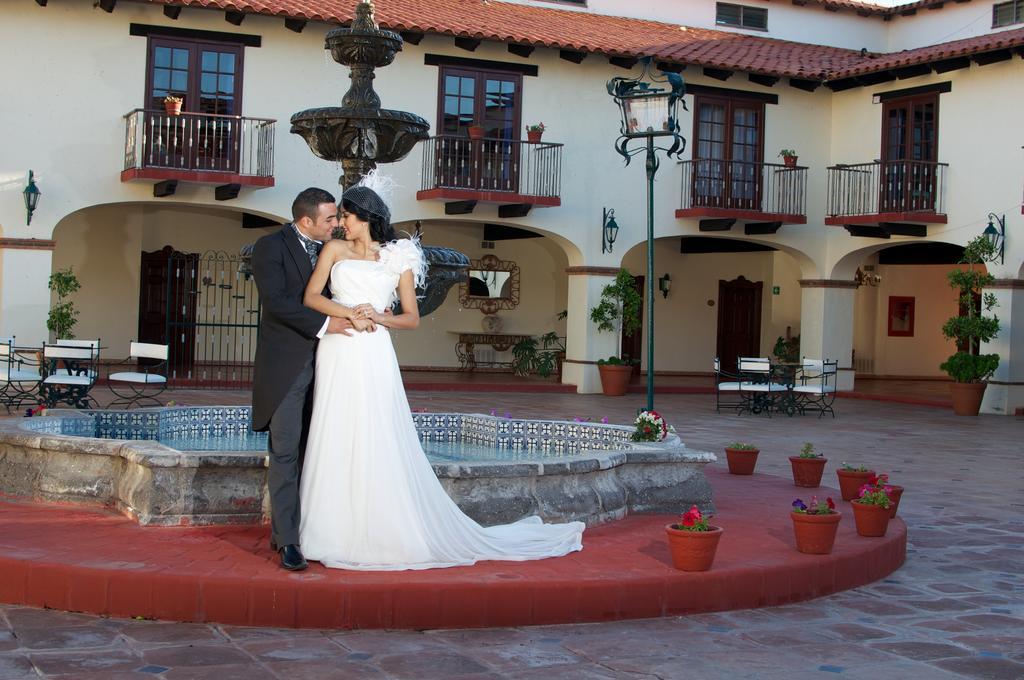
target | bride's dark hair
[{"x": 365, "y": 204}]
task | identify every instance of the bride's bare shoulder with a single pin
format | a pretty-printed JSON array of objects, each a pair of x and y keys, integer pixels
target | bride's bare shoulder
[{"x": 339, "y": 249}]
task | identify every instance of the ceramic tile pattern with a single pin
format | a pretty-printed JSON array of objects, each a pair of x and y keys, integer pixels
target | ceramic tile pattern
[{"x": 955, "y": 610}]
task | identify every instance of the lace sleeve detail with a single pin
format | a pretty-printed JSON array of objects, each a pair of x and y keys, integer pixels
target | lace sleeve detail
[{"x": 406, "y": 254}]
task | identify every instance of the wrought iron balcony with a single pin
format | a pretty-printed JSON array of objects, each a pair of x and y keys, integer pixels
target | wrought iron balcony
[
  {"x": 198, "y": 147},
  {"x": 506, "y": 171},
  {"x": 723, "y": 191},
  {"x": 887, "y": 193}
]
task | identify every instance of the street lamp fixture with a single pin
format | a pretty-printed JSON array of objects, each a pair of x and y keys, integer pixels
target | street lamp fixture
[
  {"x": 665, "y": 285},
  {"x": 31, "y": 194},
  {"x": 609, "y": 230},
  {"x": 996, "y": 236},
  {"x": 648, "y": 106}
]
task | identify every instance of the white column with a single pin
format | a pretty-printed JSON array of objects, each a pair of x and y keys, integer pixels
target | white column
[
  {"x": 584, "y": 345},
  {"x": 826, "y": 324},
  {"x": 1005, "y": 391},
  {"x": 25, "y": 265}
]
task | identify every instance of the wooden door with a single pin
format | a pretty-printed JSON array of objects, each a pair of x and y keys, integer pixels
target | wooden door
[
  {"x": 167, "y": 304},
  {"x": 909, "y": 154},
  {"x": 729, "y": 152},
  {"x": 739, "y": 320},
  {"x": 633, "y": 343}
]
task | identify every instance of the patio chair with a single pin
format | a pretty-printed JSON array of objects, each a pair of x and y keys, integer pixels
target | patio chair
[
  {"x": 729, "y": 383},
  {"x": 69, "y": 374},
  {"x": 143, "y": 385},
  {"x": 817, "y": 386},
  {"x": 757, "y": 389},
  {"x": 19, "y": 377}
]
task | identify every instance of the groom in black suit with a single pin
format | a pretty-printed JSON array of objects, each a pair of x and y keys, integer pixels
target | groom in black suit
[{"x": 283, "y": 373}]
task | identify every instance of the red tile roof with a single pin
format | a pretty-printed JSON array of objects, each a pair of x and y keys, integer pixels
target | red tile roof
[{"x": 614, "y": 36}]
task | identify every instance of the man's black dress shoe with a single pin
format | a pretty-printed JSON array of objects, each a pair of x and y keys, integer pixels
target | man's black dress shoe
[{"x": 292, "y": 559}]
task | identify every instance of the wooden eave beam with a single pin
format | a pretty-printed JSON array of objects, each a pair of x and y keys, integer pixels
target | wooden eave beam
[
  {"x": 165, "y": 188},
  {"x": 799, "y": 3},
  {"x": 908, "y": 12},
  {"x": 716, "y": 224},
  {"x": 412, "y": 37},
  {"x": 514, "y": 210},
  {"x": 841, "y": 84},
  {"x": 947, "y": 65},
  {"x": 937, "y": 5},
  {"x": 234, "y": 18},
  {"x": 805, "y": 85},
  {"x": 459, "y": 207},
  {"x": 831, "y": 8},
  {"x": 875, "y": 78},
  {"x": 767, "y": 81},
  {"x": 669, "y": 67},
  {"x": 468, "y": 44},
  {"x": 866, "y": 231},
  {"x": 904, "y": 229},
  {"x": 756, "y": 228},
  {"x": 572, "y": 55},
  {"x": 107, "y": 5},
  {"x": 295, "y": 25},
  {"x": 986, "y": 58},
  {"x": 41, "y": 3},
  {"x": 717, "y": 73},
  {"x": 864, "y": 13},
  {"x": 523, "y": 51},
  {"x": 623, "y": 62},
  {"x": 905, "y": 72},
  {"x": 172, "y": 12}
]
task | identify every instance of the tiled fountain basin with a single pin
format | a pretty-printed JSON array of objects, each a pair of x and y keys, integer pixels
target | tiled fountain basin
[{"x": 555, "y": 469}]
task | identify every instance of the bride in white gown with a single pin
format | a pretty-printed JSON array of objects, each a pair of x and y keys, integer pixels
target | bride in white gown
[{"x": 369, "y": 497}]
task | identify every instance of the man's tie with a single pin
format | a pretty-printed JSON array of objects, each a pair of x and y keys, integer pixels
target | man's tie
[{"x": 312, "y": 247}]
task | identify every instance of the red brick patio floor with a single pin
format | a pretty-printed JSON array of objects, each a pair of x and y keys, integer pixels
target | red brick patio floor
[{"x": 954, "y": 609}]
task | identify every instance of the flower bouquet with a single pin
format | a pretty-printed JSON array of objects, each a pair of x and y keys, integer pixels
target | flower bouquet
[
  {"x": 693, "y": 541},
  {"x": 808, "y": 467},
  {"x": 650, "y": 427},
  {"x": 742, "y": 458},
  {"x": 815, "y": 525},
  {"x": 871, "y": 508}
]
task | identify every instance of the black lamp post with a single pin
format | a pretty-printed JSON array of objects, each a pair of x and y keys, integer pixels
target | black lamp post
[
  {"x": 649, "y": 111},
  {"x": 31, "y": 194},
  {"x": 996, "y": 237},
  {"x": 609, "y": 230}
]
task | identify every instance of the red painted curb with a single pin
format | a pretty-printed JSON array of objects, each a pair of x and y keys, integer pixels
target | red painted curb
[{"x": 98, "y": 562}]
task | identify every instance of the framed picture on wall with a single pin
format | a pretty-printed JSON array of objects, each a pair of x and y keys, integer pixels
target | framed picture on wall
[{"x": 901, "y": 316}]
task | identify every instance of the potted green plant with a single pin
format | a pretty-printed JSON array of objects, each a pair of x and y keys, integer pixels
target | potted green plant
[
  {"x": 618, "y": 311},
  {"x": 815, "y": 525},
  {"x": 788, "y": 157},
  {"x": 172, "y": 105},
  {"x": 542, "y": 355},
  {"x": 787, "y": 350},
  {"x": 475, "y": 131},
  {"x": 871, "y": 510},
  {"x": 851, "y": 479},
  {"x": 692, "y": 541},
  {"x": 742, "y": 458},
  {"x": 63, "y": 316},
  {"x": 807, "y": 467},
  {"x": 535, "y": 132},
  {"x": 968, "y": 368}
]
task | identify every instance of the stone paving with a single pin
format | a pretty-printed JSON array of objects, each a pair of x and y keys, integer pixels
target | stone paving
[{"x": 956, "y": 609}]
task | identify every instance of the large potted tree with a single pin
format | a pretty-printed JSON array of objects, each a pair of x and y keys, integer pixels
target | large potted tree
[
  {"x": 618, "y": 312},
  {"x": 968, "y": 367}
]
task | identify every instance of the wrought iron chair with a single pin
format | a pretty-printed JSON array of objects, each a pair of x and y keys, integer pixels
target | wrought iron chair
[
  {"x": 69, "y": 374},
  {"x": 19, "y": 377},
  {"x": 729, "y": 383},
  {"x": 143, "y": 385},
  {"x": 757, "y": 389},
  {"x": 817, "y": 386}
]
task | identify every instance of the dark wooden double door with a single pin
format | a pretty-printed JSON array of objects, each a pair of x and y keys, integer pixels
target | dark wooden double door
[
  {"x": 739, "y": 321},
  {"x": 909, "y": 172},
  {"x": 168, "y": 292}
]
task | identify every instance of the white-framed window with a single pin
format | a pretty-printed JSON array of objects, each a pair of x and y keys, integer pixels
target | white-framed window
[
  {"x": 743, "y": 16},
  {"x": 1007, "y": 13}
]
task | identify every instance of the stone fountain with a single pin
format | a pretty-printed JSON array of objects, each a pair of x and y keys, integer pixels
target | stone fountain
[{"x": 359, "y": 134}]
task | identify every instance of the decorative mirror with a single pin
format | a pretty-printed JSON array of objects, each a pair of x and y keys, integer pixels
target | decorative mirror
[{"x": 490, "y": 285}]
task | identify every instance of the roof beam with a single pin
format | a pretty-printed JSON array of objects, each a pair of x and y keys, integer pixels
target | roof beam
[
  {"x": 717, "y": 224},
  {"x": 669, "y": 67},
  {"x": 165, "y": 188},
  {"x": 107, "y": 5},
  {"x": 41, "y": 3},
  {"x": 904, "y": 229},
  {"x": 623, "y": 62},
  {"x": 908, "y": 12},
  {"x": 172, "y": 12},
  {"x": 937, "y": 5},
  {"x": 767, "y": 81},
  {"x": 520, "y": 50},
  {"x": 905, "y": 72},
  {"x": 412, "y": 37},
  {"x": 986, "y": 58},
  {"x": 468, "y": 44},
  {"x": 840, "y": 84},
  {"x": 875, "y": 78},
  {"x": 295, "y": 25},
  {"x": 947, "y": 65},
  {"x": 227, "y": 192},
  {"x": 756, "y": 228},
  {"x": 572, "y": 55},
  {"x": 866, "y": 230},
  {"x": 805, "y": 85},
  {"x": 514, "y": 210},
  {"x": 459, "y": 207},
  {"x": 717, "y": 73},
  {"x": 234, "y": 18}
]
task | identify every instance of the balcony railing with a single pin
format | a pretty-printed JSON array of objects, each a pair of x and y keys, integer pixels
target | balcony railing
[
  {"x": 514, "y": 167},
  {"x": 887, "y": 188},
  {"x": 718, "y": 186},
  {"x": 199, "y": 142}
]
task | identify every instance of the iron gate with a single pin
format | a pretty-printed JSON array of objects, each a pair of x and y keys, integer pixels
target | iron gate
[{"x": 213, "y": 316}]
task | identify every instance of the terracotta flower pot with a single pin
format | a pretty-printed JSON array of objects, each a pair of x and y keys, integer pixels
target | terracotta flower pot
[
  {"x": 741, "y": 461},
  {"x": 850, "y": 482},
  {"x": 789, "y": 161},
  {"x": 807, "y": 471},
  {"x": 693, "y": 550},
  {"x": 872, "y": 520},
  {"x": 475, "y": 132},
  {"x": 614, "y": 379},
  {"x": 967, "y": 397},
  {"x": 895, "y": 493},
  {"x": 533, "y": 136},
  {"x": 815, "y": 534},
  {"x": 172, "y": 108}
]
